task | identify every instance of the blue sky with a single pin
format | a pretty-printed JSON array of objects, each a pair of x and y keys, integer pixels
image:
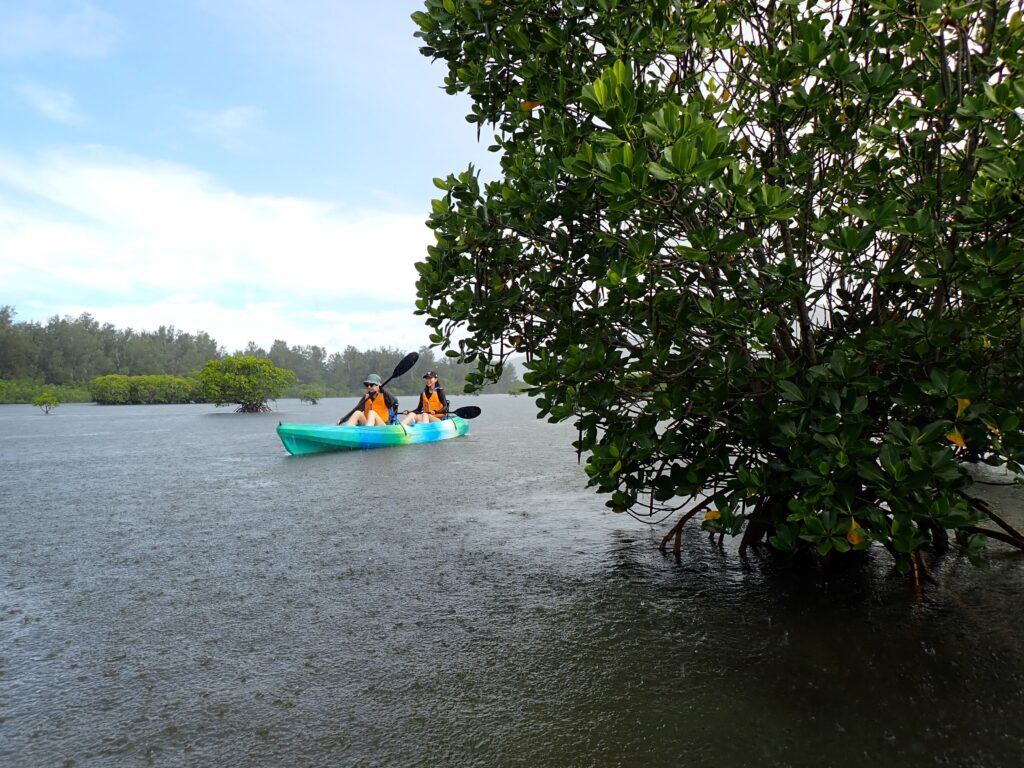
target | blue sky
[{"x": 256, "y": 169}]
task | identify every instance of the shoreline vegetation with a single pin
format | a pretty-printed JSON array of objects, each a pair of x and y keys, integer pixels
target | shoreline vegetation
[{"x": 78, "y": 360}]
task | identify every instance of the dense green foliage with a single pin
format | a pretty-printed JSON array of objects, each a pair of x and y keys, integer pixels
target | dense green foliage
[
  {"x": 26, "y": 390},
  {"x": 116, "y": 389},
  {"x": 246, "y": 380},
  {"x": 46, "y": 401},
  {"x": 70, "y": 353},
  {"x": 768, "y": 256},
  {"x": 341, "y": 374},
  {"x": 76, "y": 350}
]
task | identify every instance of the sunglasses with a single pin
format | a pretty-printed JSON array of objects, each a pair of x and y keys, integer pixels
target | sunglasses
[{"x": 373, "y": 385}]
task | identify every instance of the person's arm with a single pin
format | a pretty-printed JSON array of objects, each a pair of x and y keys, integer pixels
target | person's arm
[
  {"x": 419, "y": 403},
  {"x": 443, "y": 398}
]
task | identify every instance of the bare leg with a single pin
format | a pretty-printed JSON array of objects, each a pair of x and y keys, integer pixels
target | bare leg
[
  {"x": 357, "y": 419},
  {"x": 409, "y": 418},
  {"x": 374, "y": 420}
]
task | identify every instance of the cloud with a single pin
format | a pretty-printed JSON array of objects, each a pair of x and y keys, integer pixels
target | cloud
[
  {"x": 234, "y": 128},
  {"x": 51, "y": 103},
  {"x": 145, "y": 243},
  {"x": 85, "y": 32}
]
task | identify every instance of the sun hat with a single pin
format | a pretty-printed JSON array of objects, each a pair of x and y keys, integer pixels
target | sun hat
[{"x": 373, "y": 378}]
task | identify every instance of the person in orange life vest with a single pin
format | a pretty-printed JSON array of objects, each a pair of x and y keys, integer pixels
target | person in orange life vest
[
  {"x": 375, "y": 408},
  {"x": 433, "y": 403}
]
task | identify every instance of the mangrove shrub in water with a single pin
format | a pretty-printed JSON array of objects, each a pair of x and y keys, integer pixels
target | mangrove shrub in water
[
  {"x": 117, "y": 389},
  {"x": 310, "y": 395},
  {"x": 246, "y": 380},
  {"x": 767, "y": 256},
  {"x": 46, "y": 402}
]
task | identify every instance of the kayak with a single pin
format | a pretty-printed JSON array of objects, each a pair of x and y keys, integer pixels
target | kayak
[{"x": 301, "y": 439}]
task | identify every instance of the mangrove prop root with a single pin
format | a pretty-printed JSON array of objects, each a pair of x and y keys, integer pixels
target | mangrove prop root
[
  {"x": 979, "y": 504},
  {"x": 677, "y": 529},
  {"x": 938, "y": 535},
  {"x": 919, "y": 571},
  {"x": 1013, "y": 541},
  {"x": 752, "y": 535},
  {"x": 915, "y": 577}
]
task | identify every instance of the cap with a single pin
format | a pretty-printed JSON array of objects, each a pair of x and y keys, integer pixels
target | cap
[
  {"x": 373, "y": 378},
  {"x": 430, "y": 375}
]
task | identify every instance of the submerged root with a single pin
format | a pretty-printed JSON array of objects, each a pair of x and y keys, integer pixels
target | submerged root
[
  {"x": 919, "y": 572},
  {"x": 938, "y": 535},
  {"x": 753, "y": 535},
  {"x": 677, "y": 529},
  {"x": 253, "y": 408}
]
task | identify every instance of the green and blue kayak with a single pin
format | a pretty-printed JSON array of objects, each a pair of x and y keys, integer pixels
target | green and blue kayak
[{"x": 301, "y": 439}]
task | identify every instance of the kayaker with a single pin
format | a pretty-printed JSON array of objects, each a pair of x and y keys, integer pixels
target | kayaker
[
  {"x": 433, "y": 403},
  {"x": 374, "y": 409}
]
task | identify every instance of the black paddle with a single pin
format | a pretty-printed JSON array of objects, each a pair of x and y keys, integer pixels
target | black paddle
[
  {"x": 404, "y": 365},
  {"x": 465, "y": 412}
]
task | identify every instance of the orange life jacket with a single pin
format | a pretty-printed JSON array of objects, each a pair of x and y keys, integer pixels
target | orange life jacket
[
  {"x": 431, "y": 403},
  {"x": 377, "y": 404}
]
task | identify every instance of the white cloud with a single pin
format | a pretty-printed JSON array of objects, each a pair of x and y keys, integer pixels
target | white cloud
[
  {"x": 234, "y": 128},
  {"x": 87, "y": 31},
  {"x": 142, "y": 243},
  {"x": 51, "y": 103}
]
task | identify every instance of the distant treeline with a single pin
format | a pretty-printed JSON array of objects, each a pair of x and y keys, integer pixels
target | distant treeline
[
  {"x": 27, "y": 390},
  {"x": 76, "y": 350},
  {"x": 65, "y": 355}
]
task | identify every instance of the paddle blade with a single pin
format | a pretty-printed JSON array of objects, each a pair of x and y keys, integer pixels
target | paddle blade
[
  {"x": 467, "y": 412},
  {"x": 404, "y": 365}
]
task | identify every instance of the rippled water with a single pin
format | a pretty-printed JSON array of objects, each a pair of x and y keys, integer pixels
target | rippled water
[{"x": 176, "y": 590}]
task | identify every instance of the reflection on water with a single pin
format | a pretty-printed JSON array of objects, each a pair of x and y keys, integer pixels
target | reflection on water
[{"x": 176, "y": 590}]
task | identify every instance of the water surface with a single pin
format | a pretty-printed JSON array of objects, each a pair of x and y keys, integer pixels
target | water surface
[{"x": 176, "y": 590}]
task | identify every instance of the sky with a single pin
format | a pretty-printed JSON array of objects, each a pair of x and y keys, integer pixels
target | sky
[{"x": 254, "y": 169}]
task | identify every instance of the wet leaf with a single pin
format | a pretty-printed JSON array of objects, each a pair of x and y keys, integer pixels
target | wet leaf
[{"x": 853, "y": 535}]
